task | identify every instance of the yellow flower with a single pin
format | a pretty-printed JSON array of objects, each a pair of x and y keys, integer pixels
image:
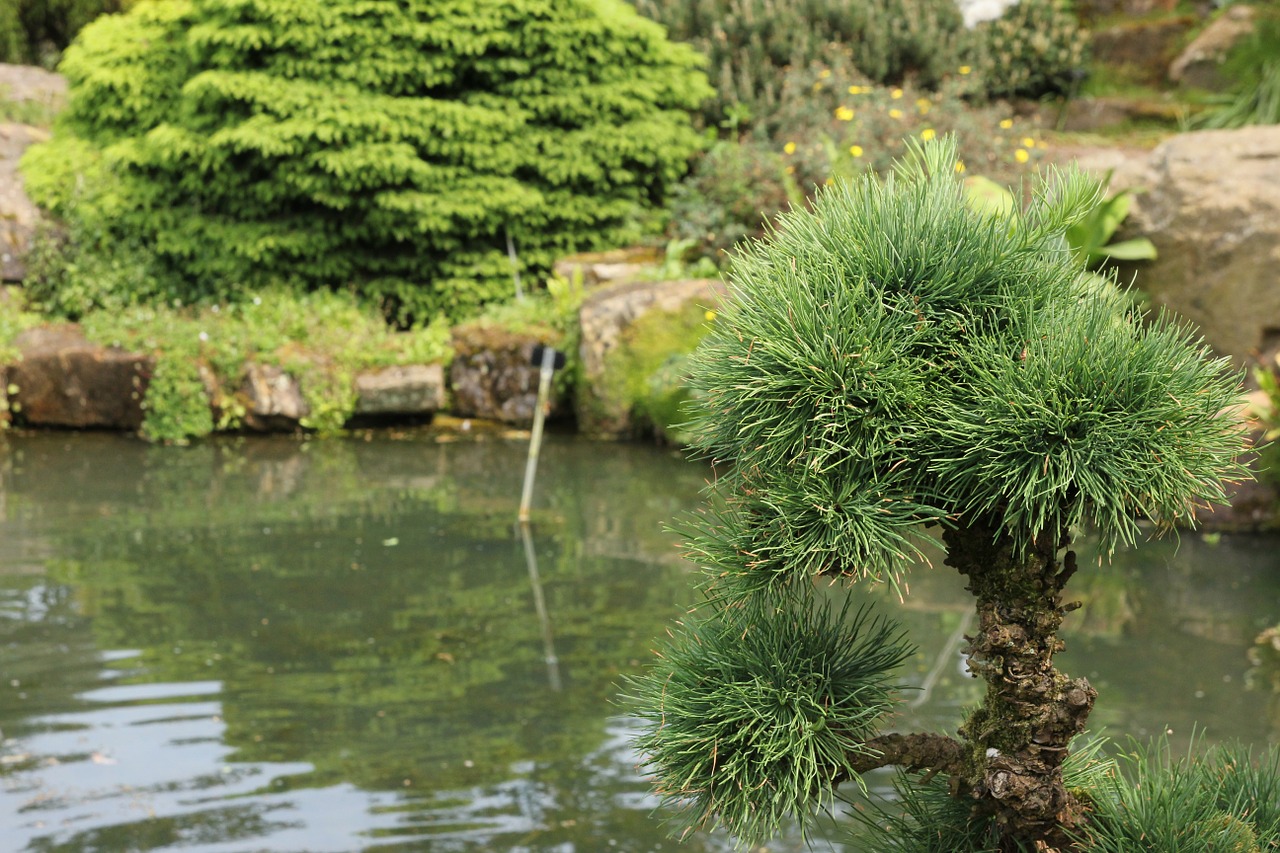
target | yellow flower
[
  {"x": 829, "y": 181},
  {"x": 1006, "y": 123},
  {"x": 895, "y": 113},
  {"x": 1028, "y": 142},
  {"x": 789, "y": 148},
  {"x": 964, "y": 69},
  {"x": 960, "y": 166},
  {"x": 710, "y": 315},
  {"x": 896, "y": 94},
  {"x": 844, "y": 114},
  {"x": 856, "y": 90},
  {"x": 1021, "y": 155},
  {"x": 824, "y": 73},
  {"x": 855, "y": 150},
  {"x": 923, "y": 105},
  {"x": 927, "y": 134},
  {"x": 791, "y": 170}
]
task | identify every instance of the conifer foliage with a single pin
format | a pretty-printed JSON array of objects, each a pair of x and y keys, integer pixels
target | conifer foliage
[
  {"x": 892, "y": 364},
  {"x": 389, "y": 145}
]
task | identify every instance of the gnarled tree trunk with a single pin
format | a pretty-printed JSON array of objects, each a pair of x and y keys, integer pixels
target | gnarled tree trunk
[{"x": 1020, "y": 735}]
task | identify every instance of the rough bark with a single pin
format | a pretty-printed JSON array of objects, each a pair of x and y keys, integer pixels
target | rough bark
[{"x": 1019, "y": 736}]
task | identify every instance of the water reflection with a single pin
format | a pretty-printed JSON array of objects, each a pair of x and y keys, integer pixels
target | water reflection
[{"x": 283, "y": 646}]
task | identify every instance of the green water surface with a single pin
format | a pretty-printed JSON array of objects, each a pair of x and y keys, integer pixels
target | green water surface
[{"x": 277, "y": 645}]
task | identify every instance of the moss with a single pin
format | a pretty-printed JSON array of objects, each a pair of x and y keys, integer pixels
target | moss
[{"x": 644, "y": 375}]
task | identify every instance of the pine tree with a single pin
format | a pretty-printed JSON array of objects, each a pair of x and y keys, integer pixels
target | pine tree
[
  {"x": 396, "y": 147},
  {"x": 893, "y": 366}
]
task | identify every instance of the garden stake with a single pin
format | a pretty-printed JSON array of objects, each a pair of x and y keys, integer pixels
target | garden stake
[{"x": 548, "y": 359}]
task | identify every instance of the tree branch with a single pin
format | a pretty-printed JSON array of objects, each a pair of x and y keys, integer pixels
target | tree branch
[{"x": 936, "y": 753}]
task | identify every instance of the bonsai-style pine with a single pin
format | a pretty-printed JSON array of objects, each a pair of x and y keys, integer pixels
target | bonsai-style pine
[{"x": 893, "y": 365}]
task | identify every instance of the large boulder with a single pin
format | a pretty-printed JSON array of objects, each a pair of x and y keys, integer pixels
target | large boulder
[
  {"x": 63, "y": 380},
  {"x": 635, "y": 336},
  {"x": 272, "y": 398},
  {"x": 1210, "y": 202},
  {"x": 415, "y": 390},
  {"x": 492, "y": 375}
]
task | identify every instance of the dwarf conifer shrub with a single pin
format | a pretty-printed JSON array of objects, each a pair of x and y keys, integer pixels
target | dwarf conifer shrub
[
  {"x": 1036, "y": 48},
  {"x": 392, "y": 147},
  {"x": 892, "y": 365},
  {"x": 751, "y": 43}
]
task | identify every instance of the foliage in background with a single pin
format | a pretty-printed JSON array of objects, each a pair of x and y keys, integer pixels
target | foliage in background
[
  {"x": 247, "y": 142},
  {"x": 1258, "y": 102},
  {"x": 750, "y": 44},
  {"x": 35, "y": 32},
  {"x": 321, "y": 339},
  {"x": 832, "y": 125},
  {"x": 1036, "y": 48}
]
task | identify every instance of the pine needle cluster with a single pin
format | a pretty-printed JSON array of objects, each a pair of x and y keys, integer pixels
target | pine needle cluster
[
  {"x": 753, "y": 714},
  {"x": 892, "y": 358}
]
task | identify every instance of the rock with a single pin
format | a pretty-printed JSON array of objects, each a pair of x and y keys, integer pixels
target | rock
[
  {"x": 273, "y": 399},
  {"x": 18, "y": 216},
  {"x": 412, "y": 390},
  {"x": 1083, "y": 115},
  {"x": 632, "y": 335},
  {"x": 1090, "y": 9},
  {"x": 597, "y": 268},
  {"x": 1142, "y": 48},
  {"x": 64, "y": 380},
  {"x": 29, "y": 85},
  {"x": 1200, "y": 63},
  {"x": 1211, "y": 206},
  {"x": 491, "y": 376}
]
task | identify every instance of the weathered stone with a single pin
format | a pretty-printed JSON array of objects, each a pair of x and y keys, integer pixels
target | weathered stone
[
  {"x": 1200, "y": 63},
  {"x": 1211, "y": 206},
  {"x": 273, "y": 399},
  {"x": 1143, "y": 48},
  {"x": 411, "y": 390},
  {"x": 63, "y": 380},
  {"x": 18, "y": 216},
  {"x": 630, "y": 332},
  {"x": 597, "y": 268},
  {"x": 1089, "y": 114},
  {"x": 492, "y": 376}
]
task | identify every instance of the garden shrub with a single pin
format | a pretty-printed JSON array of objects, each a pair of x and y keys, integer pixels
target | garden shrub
[
  {"x": 1036, "y": 48},
  {"x": 750, "y": 43},
  {"x": 392, "y": 147}
]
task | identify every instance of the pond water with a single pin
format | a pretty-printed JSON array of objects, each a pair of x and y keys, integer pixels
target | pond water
[{"x": 277, "y": 645}]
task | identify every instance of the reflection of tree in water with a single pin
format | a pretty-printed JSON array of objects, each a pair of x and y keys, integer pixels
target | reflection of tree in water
[{"x": 372, "y": 614}]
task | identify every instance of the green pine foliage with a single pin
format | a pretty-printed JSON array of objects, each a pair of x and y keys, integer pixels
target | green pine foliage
[
  {"x": 889, "y": 361},
  {"x": 387, "y": 146},
  {"x": 755, "y": 714}
]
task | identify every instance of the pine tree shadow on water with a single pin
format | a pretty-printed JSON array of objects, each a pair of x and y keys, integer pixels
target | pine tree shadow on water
[{"x": 895, "y": 367}]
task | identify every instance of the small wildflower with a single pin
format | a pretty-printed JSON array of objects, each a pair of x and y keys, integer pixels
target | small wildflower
[
  {"x": 710, "y": 315},
  {"x": 789, "y": 148},
  {"x": 896, "y": 94},
  {"x": 829, "y": 181},
  {"x": 895, "y": 113},
  {"x": 960, "y": 167},
  {"x": 1021, "y": 155},
  {"x": 204, "y": 336},
  {"x": 923, "y": 105},
  {"x": 855, "y": 150},
  {"x": 1028, "y": 142},
  {"x": 844, "y": 114},
  {"x": 1006, "y": 123},
  {"x": 965, "y": 69},
  {"x": 857, "y": 90},
  {"x": 791, "y": 170},
  {"x": 927, "y": 134},
  {"x": 823, "y": 74}
]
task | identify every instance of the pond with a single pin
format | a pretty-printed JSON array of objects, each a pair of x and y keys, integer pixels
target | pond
[{"x": 279, "y": 645}]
